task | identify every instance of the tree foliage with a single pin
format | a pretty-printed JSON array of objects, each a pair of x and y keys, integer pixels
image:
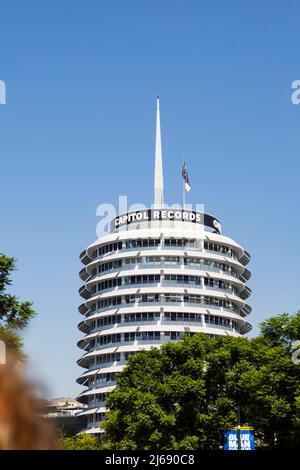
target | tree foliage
[
  {"x": 185, "y": 394},
  {"x": 14, "y": 315},
  {"x": 81, "y": 442}
]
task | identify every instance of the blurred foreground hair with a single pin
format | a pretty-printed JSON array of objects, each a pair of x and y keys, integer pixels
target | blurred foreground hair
[{"x": 22, "y": 426}]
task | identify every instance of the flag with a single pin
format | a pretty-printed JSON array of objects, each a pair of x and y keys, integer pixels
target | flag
[{"x": 185, "y": 177}]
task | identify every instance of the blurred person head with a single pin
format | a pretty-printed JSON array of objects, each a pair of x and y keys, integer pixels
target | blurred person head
[{"x": 22, "y": 425}]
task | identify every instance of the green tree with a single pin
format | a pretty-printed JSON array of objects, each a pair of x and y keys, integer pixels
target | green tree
[
  {"x": 183, "y": 395},
  {"x": 81, "y": 442},
  {"x": 281, "y": 329},
  {"x": 14, "y": 315}
]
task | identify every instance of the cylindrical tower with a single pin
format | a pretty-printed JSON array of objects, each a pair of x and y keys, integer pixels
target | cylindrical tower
[{"x": 159, "y": 274}]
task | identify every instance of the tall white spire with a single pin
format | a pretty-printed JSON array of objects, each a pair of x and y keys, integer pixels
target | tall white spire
[{"x": 158, "y": 178}]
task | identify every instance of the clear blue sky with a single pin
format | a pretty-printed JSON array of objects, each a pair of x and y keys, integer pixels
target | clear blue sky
[{"x": 78, "y": 130}]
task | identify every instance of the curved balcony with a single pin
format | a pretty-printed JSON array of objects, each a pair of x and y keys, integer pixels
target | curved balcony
[
  {"x": 115, "y": 366},
  {"x": 245, "y": 276},
  {"x": 83, "y": 274},
  {"x": 83, "y": 309},
  {"x": 84, "y": 292},
  {"x": 245, "y": 293},
  {"x": 245, "y": 258},
  {"x": 84, "y": 257},
  {"x": 84, "y": 377},
  {"x": 246, "y": 310},
  {"x": 92, "y": 392},
  {"x": 245, "y": 328},
  {"x": 83, "y": 327}
]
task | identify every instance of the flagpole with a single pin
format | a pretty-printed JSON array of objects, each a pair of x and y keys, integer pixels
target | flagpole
[
  {"x": 186, "y": 186},
  {"x": 183, "y": 190}
]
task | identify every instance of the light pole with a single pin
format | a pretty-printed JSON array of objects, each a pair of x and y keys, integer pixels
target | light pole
[{"x": 239, "y": 426}]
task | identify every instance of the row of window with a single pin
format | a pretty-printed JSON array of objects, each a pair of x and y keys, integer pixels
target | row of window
[
  {"x": 151, "y": 336},
  {"x": 164, "y": 299},
  {"x": 143, "y": 317},
  {"x": 153, "y": 260},
  {"x": 107, "y": 249},
  {"x": 215, "y": 320},
  {"x": 96, "y": 398},
  {"x": 97, "y": 417},
  {"x": 108, "y": 358},
  {"x": 142, "y": 243},
  {"x": 182, "y": 316},
  {"x": 109, "y": 320},
  {"x": 193, "y": 281},
  {"x": 154, "y": 316},
  {"x": 167, "y": 242},
  {"x": 223, "y": 249},
  {"x": 136, "y": 336},
  {"x": 102, "y": 378},
  {"x": 107, "y": 284},
  {"x": 108, "y": 266},
  {"x": 128, "y": 317},
  {"x": 101, "y": 397},
  {"x": 197, "y": 263},
  {"x": 128, "y": 244},
  {"x": 113, "y": 357},
  {"x": 219, "y": 284},
  {"x": 166, "y": 261},
  {"x": 128, "y": 354}
]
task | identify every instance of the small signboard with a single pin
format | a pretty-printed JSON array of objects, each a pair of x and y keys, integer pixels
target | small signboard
[{"x": 247, "y": 440}]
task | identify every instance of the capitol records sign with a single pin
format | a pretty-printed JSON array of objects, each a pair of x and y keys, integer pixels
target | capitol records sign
[{"x": 149, "y": 215}]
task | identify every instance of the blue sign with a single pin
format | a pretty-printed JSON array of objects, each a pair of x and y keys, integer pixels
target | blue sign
[{"x": 246, "y": 437}]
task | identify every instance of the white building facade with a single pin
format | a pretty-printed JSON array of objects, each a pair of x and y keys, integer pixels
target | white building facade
[{"x": 158, "y": 275}]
